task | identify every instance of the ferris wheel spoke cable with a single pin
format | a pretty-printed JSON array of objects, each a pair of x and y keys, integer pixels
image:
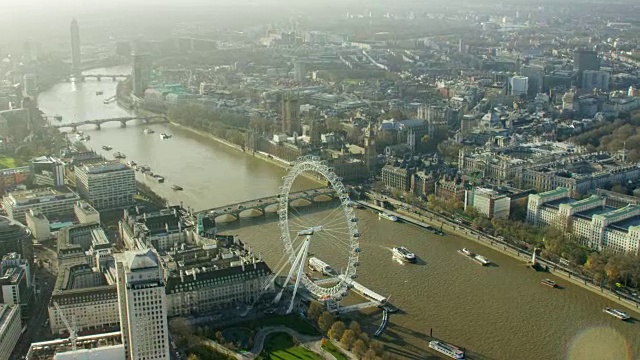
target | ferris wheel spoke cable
[
  {"x": 335, "y": 223},
  {"x": 333, "y": 212},
  {"x": 330, "y": 237},
  {"x": 298, "y": 216},
  {"x": 297, "y": 225},
  {"x": 337, "y": 232}
]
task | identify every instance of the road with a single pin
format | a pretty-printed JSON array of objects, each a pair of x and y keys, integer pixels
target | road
[{"x": 36, "y": 331}]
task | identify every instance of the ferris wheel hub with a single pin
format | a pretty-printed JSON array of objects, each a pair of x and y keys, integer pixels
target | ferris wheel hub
[{"x": 310, "y": 231}]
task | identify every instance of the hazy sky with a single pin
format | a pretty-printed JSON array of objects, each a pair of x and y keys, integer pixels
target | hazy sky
[{"x": 47, "y": 21}]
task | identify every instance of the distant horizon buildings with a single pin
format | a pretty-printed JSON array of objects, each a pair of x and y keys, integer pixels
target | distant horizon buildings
[
  {"x": 76, "y": 60},
  {"x": 141, "y": 73}
]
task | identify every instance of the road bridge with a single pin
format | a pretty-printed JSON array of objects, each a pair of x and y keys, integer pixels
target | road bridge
[
  {"x": 98, "y": 77},
  {"x": 259, "y": 207},
  {"x": 122, "y": 120}
]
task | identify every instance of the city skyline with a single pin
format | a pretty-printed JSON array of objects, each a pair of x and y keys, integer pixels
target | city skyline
[{"x": 243, "y": 178}]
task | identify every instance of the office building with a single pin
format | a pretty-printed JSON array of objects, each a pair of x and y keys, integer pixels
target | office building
[
  {"x": 85, "y": 287},
  {"x": 299, "y": 71},
  {"x": 488, "y": 202},
  {"x": 397, "y": 178},
  {"x": 17, "y": 283},
  {"x": 38, "y": 224},
  {"x": 15, "y": 238},
  {"x": 548, "y": 165},
  {"x": 99, "y": 352},
  {"x": 106, "y": 185},
  {"x": 30, "y": 85},
  {"x": 9, "y": 178},
  {"x": 585, "y": 60},
  {"x": 141, "y": 73},
  {"x": 162, "y": 230},
  {"x": 519, "y": 85},
  {"x": 47, "y": 171},
  {"x": 50, "y": 202},
  {"x": 595, "y": 79},
  {"x": 76, "y": 61},
  {"x": 535, "y": 74},
  {"x": 217, "y": 276},
  {"x": 142, "y": 305},
  {"x": 462, "y": 46},
  {"x": 85, "y": 213},
  {"x": 10, "y": 329},
  {"x": 590, "y": 221},
  {"x": 86, "y": 295},
  {"x": 102, "y": 346},
  {"x": 450, "y": 190}
]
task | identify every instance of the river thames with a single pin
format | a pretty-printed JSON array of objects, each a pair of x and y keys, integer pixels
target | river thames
[{"x": 499, "y": 312}]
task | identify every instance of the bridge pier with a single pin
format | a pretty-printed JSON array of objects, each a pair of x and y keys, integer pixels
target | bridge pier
[
  {"x": 123, "y": 124},
  {"x": 74, "y": 129},
  {"x": 113, "y": 78},
  {"x": 98, "y": 126},
  {"x": 99, "y": 78}
]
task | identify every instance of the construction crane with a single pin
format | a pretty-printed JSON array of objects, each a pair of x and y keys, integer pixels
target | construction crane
[{"x": 73, "y": 334}]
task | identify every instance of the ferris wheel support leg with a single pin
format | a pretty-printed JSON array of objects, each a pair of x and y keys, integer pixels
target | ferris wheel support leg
[
  {"x": 294, "y": 267},
  {"x": 305, "y": 251}
]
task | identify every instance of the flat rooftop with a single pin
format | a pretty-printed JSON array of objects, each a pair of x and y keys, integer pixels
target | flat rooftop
[
  {"x": 600, "y": 210},
  {"x": 624, "y": 225},
  {"x": 556, "y": 203},
  {"x": 621, "y": 212},
  {"x": 34, "y": 196},
  {"x": 104, "y": 167},
  {"x": 588, "y": 201}
]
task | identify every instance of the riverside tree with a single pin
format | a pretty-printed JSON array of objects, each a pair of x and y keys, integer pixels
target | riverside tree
[{"x": 337, "y": 330}]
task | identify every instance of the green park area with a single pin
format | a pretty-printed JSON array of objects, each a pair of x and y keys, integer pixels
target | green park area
[
  {"x": 292, "y": 321},
  {"x": 333, "y": 350},
  {"x": 7, "y": 162},
  {"x": 282, "y": 346}
]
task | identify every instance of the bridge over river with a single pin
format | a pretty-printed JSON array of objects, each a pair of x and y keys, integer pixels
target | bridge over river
[
  {"x": 98, "y": 77},
  {"x": 258, "y": 207},
  {"x": 122, "y": 120}
]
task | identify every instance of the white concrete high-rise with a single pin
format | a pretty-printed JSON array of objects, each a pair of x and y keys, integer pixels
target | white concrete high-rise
[
  {"x": 519, "y": 85},
  {"x": 106, "y": 185},
  {"x": 143, "y": 305}
]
